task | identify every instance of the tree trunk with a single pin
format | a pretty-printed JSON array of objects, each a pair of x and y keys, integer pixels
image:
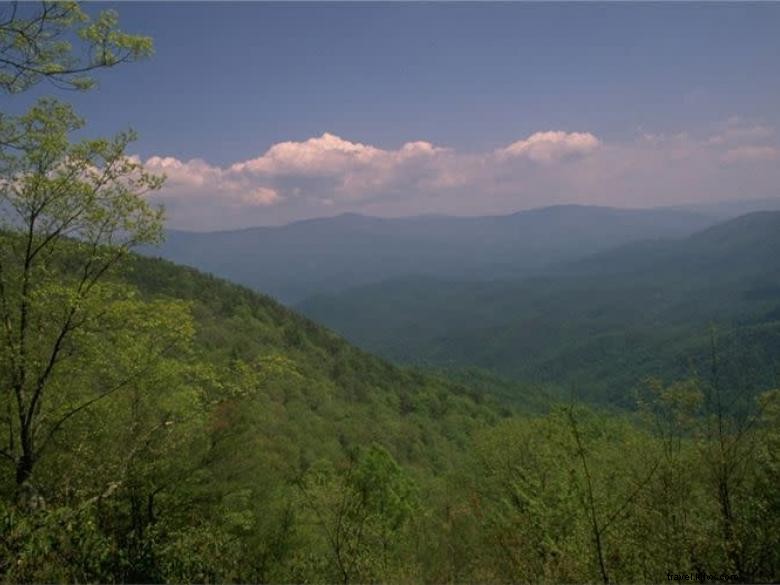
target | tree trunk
[{"x": 24, "y": 469}]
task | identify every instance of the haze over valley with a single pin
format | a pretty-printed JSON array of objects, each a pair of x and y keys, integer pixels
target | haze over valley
[{"x": 304, "y": 258}]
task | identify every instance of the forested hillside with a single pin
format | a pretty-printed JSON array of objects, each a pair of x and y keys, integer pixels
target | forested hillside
[
  {"x": 265, "y": 448},
  {"x": 601, "y": 324}
]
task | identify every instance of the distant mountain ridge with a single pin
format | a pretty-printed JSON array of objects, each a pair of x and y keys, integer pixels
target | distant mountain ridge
[
  {"x": 746, "y": 244},
  {"x": 309, "y": 257},
  {"x": 600, "y": 324}
]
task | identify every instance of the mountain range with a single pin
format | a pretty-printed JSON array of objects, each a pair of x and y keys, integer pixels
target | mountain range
[
  {"x": 305, "y": 258},
  {"x": 602, "y": 323},
  {"x": 583, "y": 297}
]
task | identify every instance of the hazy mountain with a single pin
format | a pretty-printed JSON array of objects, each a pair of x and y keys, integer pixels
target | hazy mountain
[
  {"x": 724, "y": 210},
  {"x": 602, "y": 322},
  {"x": 298, "y": 260}
]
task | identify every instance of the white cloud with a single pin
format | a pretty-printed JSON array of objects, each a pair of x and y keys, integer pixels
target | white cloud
[
  {"x": 192, "y": 173},
  {"x": 329, "y": 174},
  {"x": 260, "y": 196},
  {"x": 551, "y": 146},
  {"x": 326, "y": 155}
]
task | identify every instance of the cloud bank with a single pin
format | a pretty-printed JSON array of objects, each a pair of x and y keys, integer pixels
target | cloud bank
[{"x": 328, "y": 174}]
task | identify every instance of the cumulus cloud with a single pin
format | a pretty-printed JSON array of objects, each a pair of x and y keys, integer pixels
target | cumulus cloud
[
  {"x": 325, "y": 155},
  {"x": 330, "y": 174},
  {"x": 193, "y": 173},
  {"x": 260, "y": 196},
  {"x": 546, "y": 147},
  {"x": 355, "y": 170}
]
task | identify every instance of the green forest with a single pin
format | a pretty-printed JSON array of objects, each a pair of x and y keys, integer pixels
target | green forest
[
  {"x": 602, "y": 324},
  {"x": 159, "y": 424}
]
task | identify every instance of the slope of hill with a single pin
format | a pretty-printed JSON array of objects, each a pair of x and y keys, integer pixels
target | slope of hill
[
  {"x": 738, "y": 247},
  {"x": 602, "y": 323},
  {"x": 323, "y": 381},
  {"x": 309, "y": 257},
  {"x": 270, "y": 450}
]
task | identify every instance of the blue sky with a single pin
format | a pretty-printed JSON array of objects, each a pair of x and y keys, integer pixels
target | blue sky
[{"x": 231, "y": 80}]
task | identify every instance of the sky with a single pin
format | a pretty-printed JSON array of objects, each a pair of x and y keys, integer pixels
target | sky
[{"x": 266, "y": 113}]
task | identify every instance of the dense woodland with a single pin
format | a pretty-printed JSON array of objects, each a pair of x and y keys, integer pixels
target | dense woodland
[
  {"x": 602, "y": 323},
  {"x": 158, "y": 424}
]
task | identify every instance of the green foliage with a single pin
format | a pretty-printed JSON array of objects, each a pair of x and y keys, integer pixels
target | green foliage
[
  {"x": 35, "y": 44},
  {"x": 71, "y": 212},
  {"x": 57, "y": 544},
  {"x": 361, "y": 513},
  {"x": 191, "y": 463},
  {"x": 538, "y": 495},
  {"x": 247, "y": 456}
]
